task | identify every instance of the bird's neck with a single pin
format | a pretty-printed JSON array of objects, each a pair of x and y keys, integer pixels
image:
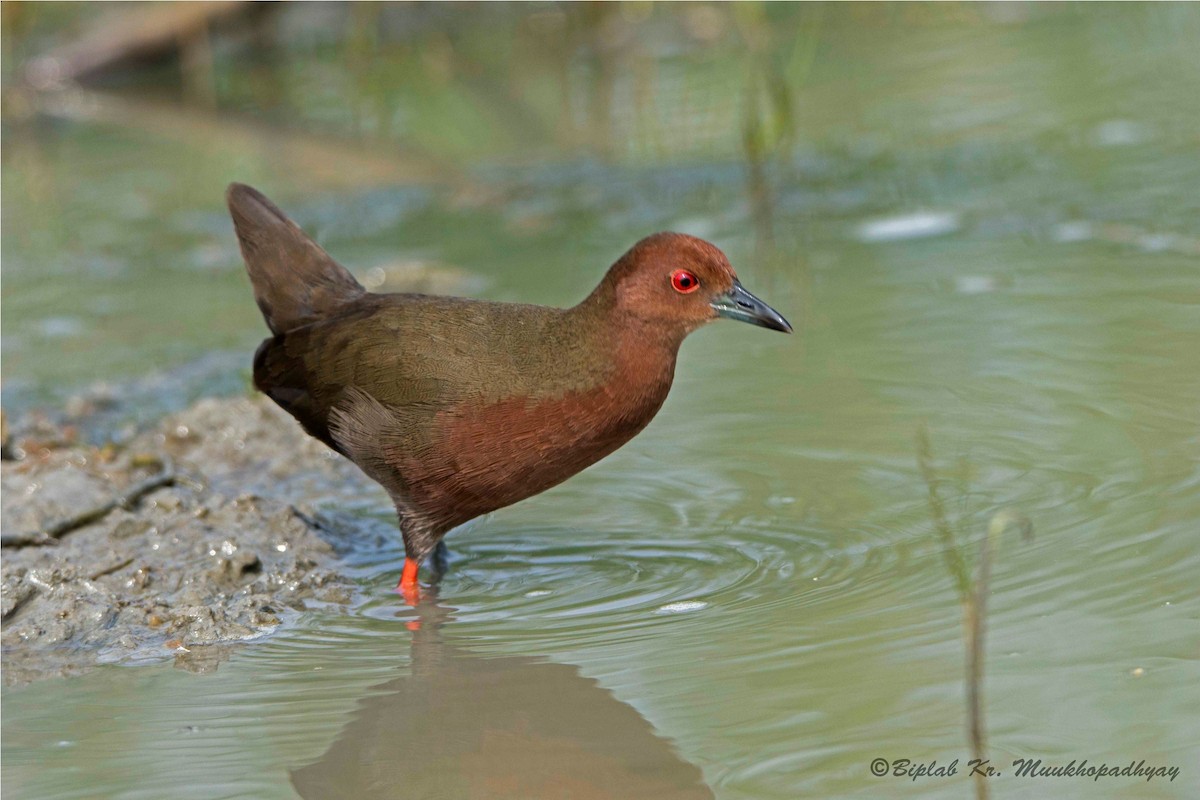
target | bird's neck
[{"x": 638, "y": 354}]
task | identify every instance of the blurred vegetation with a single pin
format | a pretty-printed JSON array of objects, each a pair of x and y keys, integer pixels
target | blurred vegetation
[
  {"x": 550, "y": 127},
  {"x": 445, "y": 85},
  {"x": 397, "y": 91},
  {"x": 620, "y": 81}
]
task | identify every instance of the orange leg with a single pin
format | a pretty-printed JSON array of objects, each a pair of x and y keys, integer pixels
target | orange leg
[{"x": 408, "y": 582}]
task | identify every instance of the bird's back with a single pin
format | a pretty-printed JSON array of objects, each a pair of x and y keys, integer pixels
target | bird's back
[{"x": 417, "y": 354}]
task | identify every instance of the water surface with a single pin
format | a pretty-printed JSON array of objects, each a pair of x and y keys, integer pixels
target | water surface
[{"x": 987, "y": 226}]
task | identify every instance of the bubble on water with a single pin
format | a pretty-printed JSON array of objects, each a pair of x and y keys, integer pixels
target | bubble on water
[
  {"x": 681, "y": 607},
  {"x": 974, "y": 284},
  {"x": 538, "y": 593},
  {"x": 60, "y": 327},
  {"x": 918, "y": 225},
  {"x": 1119, "y": 132},
  {"x": 1074, "y": 231},
  {"x": 1157, "y": 242}
]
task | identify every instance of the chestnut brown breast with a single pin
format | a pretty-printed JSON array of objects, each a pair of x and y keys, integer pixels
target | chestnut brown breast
[{"x": 488, "y": 457}]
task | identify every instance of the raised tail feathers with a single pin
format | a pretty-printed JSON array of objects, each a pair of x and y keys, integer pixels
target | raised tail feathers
[{"x": 295, "y": 281}]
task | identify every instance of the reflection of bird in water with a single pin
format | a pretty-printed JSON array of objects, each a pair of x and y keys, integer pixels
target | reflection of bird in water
[{"x": 467, "y": 727}]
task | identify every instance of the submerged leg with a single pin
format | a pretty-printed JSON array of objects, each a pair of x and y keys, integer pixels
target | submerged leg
[{"x": 440, "y": 560}]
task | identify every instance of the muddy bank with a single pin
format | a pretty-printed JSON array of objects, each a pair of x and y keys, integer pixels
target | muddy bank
[{"x": 182, "y": 540}]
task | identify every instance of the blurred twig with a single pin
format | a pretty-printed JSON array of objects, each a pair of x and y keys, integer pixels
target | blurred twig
[
  {"x": 769, "y": 120},
  {"x": 955, "y": 563},
  {"x": 972, "y": 592}
]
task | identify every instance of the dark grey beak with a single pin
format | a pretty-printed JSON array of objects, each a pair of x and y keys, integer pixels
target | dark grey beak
[{"x": 739, "y": 304}]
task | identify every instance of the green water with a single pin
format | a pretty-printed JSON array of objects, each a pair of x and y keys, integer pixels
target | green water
[{"x": 755, "y": 575}]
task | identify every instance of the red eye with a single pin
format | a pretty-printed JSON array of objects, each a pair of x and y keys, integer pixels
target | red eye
[{"x": 684, "y": 281}]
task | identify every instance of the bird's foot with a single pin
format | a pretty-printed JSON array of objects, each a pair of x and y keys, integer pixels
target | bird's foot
[{"x": 408, "y": 586}]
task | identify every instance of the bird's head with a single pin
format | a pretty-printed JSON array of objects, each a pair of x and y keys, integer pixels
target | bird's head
[{"x": 684, "y": 282}]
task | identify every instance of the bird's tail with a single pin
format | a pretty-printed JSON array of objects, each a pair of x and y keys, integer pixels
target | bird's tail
[{"x": 295, "y": 281}]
